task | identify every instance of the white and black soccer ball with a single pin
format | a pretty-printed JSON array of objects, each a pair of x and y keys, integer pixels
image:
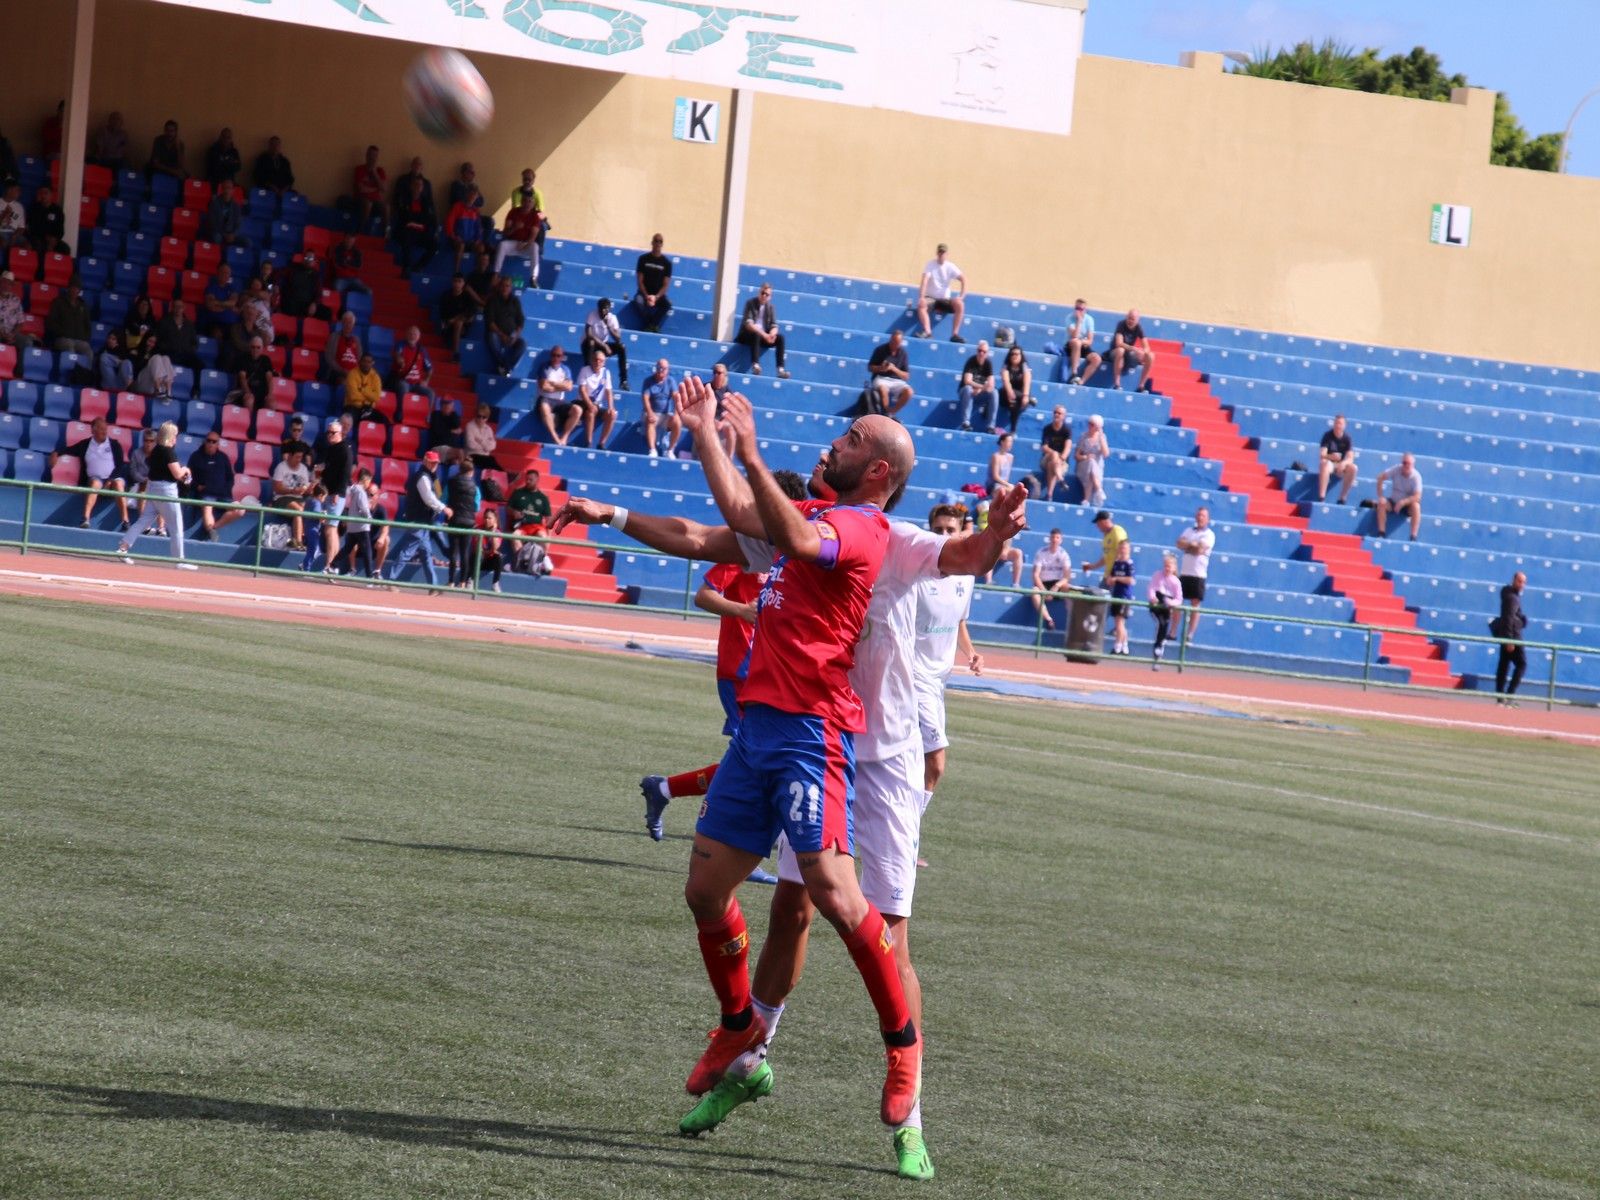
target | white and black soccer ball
[{"x": 446, "y": 96}]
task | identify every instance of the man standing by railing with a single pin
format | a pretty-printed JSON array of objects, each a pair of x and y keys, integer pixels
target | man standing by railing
[{"x": 1509, "y": 625}]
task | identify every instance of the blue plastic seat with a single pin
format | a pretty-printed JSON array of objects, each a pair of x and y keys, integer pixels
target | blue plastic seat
[
  {"x": 153, "y": 218},
  {"x": 130, "y": 186},
  {"x": 141, "y": 248},
  {"x": 214, "y": 386},
  {"x": 262, "y": 204},
  {"x": 13, "y": 430},
  {"x": 38, "y": 365},
  {"x": 159, "y": 412},
  {"x": 165, "y": 190},
  {"x": 44, "y": 435},
  {"x": 113, "y": 306},
  {"x": 29, "y": 465},
  {"x": 128, "y": 278},
  {"x": 22, "y": 398},
  {"x": 117, "y": 214},
  {"x": 60, "y": 403}
]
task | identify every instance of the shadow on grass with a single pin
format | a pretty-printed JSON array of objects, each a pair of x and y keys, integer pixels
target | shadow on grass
[
  {"x": 633, "y": 831},
  {"x": 446, "y": 848},
  {"x": 573, "y": 1143}
]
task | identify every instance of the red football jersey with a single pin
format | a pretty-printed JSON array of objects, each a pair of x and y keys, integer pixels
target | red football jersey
[
  {"x": 811, "y": 616},
  {"x": 735, "y": 636}
]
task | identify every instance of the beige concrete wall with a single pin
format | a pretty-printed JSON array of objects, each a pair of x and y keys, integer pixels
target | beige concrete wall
[{"x": 1184, "y": 191}]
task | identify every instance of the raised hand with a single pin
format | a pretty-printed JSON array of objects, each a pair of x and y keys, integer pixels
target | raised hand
[
  {"x": 739, "y": 415},
  {"x": 1008, "y": 511},
  {"x": 582, "y": 512},
  {"x": 695, "y": 403}
]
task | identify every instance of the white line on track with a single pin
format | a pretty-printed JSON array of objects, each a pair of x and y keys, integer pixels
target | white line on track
[{"x": 1290, "y": 793}]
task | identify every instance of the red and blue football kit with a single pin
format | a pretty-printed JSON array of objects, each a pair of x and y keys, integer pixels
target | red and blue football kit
[{"x": 791, "y": 765}]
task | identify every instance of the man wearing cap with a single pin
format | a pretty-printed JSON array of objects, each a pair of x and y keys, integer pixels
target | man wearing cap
[
  {"x": 423, "y": 507},
  {"x": 1112, "y": 536},
  {"x": 1091, "y": 455},
  {"x": 938, "y": 293},
  {"x": 12, "y": 314},
  {"x": 1083, "y": 360}
]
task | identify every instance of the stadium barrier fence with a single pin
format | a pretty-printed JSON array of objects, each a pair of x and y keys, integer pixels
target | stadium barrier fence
[{"x": 31, "y": 529}]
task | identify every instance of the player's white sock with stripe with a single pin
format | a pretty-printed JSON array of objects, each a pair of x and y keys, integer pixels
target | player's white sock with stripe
[
  {"x": 747, "y": 1062},
  {"x": 914, "y": 1121}
]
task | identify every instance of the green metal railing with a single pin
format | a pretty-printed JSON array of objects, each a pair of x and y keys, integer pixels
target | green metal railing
[{"x": 30, "y": 539}]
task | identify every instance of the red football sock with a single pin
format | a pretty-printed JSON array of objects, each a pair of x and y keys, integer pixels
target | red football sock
[
  {"x": 725, "y": 946},
  {"x": 691, "y": 783},
  {"x": 872, "y": 946}
]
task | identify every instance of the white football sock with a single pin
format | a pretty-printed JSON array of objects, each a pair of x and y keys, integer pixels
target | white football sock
[
  {"x": 744, "y": 1066},
  {"x": 661, "y": 786},
  {"x": 914, "y": 1121}
]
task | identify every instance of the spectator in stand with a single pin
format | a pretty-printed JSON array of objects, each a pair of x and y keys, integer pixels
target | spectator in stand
[
  {"x": 115, "y": 367},
  {"x": 602, "y": 332},
  {"x": 139, "y": 473},
  {"x": 457, "y": 308},
  {"x": 1166, "y": 598},
  {"x": 482, "y": 280},
  {"x": 168, "y": 154},
  {"x": 369, "y": 184},
  {"x": 363, "y": 389},
  {"x": 255, "y": 321},
  {"x": 403, "y": 185},
  {"x": 528, "y": 507},
  {"x": 463, "y": 224},
  {"x": 296, "y": 434},
  {"x": 977, "y": 384},
  {"x": 253, "y": 379},
  {"x": 1055, "y": 452},
  {"x": 1052, "y": 573},
  {"x": 302, "y": 288},
  {"x": 526, "y": 189},
  {"x": 416, "y": 225},
  {"x": 461, "y": 508},
  {"x": 1509, "y": 626},
  {"x": 519, "y": 239},
  {"x": 139, "y": 331},
  {"x": 177, "y": 338},
  {"x": 479, "y": 441},
  {"x": 224, "y": 222},
  {"x": 413, "y": 368},
  {"x": 1405, "y": 495},
  {"x": 272, "y": 170},
  {"x": 758, "y": 329},
  {"x": 421, "y": 506},
  {"x": 660, "y": 413},
  {"x": 1000, "y": 463},
  {"x": 166, "y": 474},
  {"x": 12, "y": 314},
  {"x": 596, "y": 396},
  {"x": 69, "y": 325},
  {"x": 291, "y": 489},
  {"x": 222, "y": 160},
  {"x": 271, "y": 282},
  {"x": 47, "y": 224},
  {"x": 1112, "y": 538},
  {"x": 50, "y": 131},
  {"x": 466, "y": 177},
  {"x": 556, "y": 396},
  {"x": 110, "y": 146},
  {"x": 347, "y": 261},
  {"x": 335, "y": 462},
  {"x": 444, "y": 425},
  {"x": 653, "y": 276},
  {"x": 221, "y": 311},
  {"x": 358, "y": 551},
  {"x": 103, "y": 467},
  {"x": 156, "y": 375},
  {"x": 1016, "y": 385},
  {"x": 1083, "y": 360},
  {"x": 1092, "y": 452},
  {"x": 1336, "y": 456},
  {"x": 343, "y": 352},
  {"x": 1128, "y": 343},
  {"x": 211, "y": 475},
  {"x": 1196, "y": 544},
  {"x": 491, "y": 545},
  {"x": 889, "y": 376},
  {"x": 502, "y": 323},
  {"x": 13, "y": 217},
  {"x": 937, "y": 292}
]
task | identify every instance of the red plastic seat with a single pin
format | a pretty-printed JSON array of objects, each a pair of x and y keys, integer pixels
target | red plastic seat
[
  {"x": 247, "y": 487},
  {"x": 303, "y": 363},
  {"x": 415, "y": 409},
  {"x": 93, "y": 404},
  {"x": 282, "y": 395},
  {"x": 206, "y": 257},
  {"x": 393, "y": 472},
  {"x": 314, "y": 333},
  {"x": 174, "y": 253},
  {"x": 235, "y": 421},
  {"x": 279, "y": 357},
  {"x": 269, "y": 426},
  {"x": 185, "y": 223},
  {"x": 192, "y": 287},
  {"x": 407, "y": 442},
  {"x": 8, "y": 362},
  {"x": 285, "y": 326},
  {"x": 33, "y": 324},
  {"x": 23, "y": 263},
  {"x": 331, "y": 300},
  {"x": 196, "y": 194},
  {"x": 391, "y": 503},
  {"x": 229, "y": 447},
  {"x": 130, "y": 410},
  {"x": 40, "y": 297},
  {"x": 319, "y": 239},
  {"x": 160, "y": 283},
  {"x": 97, "y": 181},
  {"x": 88, "y": 212},
  {"x": 388, "y": 404},
  {"x": 57, "y": 269},
  {"x": 122, "y": 437},
  {"x": 66, "y": 471},
  {"x": 371, "y": 437},
  {"x": 257, "y": 459},
  {"x": 77, "y": 431}
]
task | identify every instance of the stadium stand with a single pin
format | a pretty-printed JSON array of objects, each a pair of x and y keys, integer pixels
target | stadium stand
[{"x": 1510, "y": 453}]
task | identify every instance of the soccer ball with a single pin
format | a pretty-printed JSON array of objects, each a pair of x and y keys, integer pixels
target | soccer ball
[{"x": 446, "y": 96}]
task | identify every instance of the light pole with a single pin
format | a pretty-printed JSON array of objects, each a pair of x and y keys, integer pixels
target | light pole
[{"x": 1566, "y": 136}]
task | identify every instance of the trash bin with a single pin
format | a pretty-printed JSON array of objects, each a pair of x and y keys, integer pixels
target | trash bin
[{"x": 1086, "y": 624}]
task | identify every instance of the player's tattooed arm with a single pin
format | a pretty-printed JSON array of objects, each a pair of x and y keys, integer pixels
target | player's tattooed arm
[
  {"x": 670, "y": 535},
  {"x": 977, "y": 553},
  {"x": 696, "y": 406}
]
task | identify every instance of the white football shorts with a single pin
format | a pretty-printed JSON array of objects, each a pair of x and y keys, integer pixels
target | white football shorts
[{"x": 930, "y": 714}]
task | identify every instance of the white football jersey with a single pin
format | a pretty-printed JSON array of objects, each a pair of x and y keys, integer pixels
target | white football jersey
[{"x": 942, "y": 604}]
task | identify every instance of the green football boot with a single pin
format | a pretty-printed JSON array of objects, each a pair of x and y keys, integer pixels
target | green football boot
[
  {"x": 729, "y": 1093},
  {"x": 910, "y": 1149}
]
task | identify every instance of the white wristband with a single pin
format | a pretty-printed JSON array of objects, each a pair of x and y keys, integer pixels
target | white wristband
[{"x": 619, "y": 516}]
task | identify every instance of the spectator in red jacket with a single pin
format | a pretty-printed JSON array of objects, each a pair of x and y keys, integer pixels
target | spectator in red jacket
[
  {"x": 520, "y": 238},
  {"x": 345, "y": 260},
  {"x": 369, "y": 185}
]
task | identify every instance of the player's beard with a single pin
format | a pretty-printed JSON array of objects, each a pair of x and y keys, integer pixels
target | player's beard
[{"x": 818, "y": 485}]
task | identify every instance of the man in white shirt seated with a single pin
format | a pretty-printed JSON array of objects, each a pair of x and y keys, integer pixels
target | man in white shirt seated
[
  {"x": 938, "y": 293},
  {"x": 596, "y": 397},
  {"x": 602, "y": 331},
  {"x": 1052, "y": 572}
]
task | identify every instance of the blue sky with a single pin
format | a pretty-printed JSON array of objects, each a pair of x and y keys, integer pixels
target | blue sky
[{"x": 1544, "y": 54}]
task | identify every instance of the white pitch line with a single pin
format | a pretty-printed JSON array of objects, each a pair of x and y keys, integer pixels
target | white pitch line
[{"x": 1290, "y": 793}]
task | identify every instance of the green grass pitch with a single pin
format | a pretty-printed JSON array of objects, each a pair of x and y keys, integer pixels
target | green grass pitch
[{"x": 293, "y": 913}]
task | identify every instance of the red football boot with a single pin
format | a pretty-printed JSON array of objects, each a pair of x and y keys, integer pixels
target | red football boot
[
  {"x": 903, "y": 1083},
  {"x": 727, "y": 1045}
]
